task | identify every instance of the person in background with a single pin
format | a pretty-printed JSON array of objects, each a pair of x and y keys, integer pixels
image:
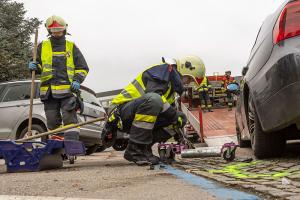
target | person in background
[
  {"x": 204, "y": 89},
  {"x": 227, "y": 87}
]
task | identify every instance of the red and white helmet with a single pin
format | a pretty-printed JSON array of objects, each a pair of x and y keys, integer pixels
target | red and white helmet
[{"x": 56, "y": 24}]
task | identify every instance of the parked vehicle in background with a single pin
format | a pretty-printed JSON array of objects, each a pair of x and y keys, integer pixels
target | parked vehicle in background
[
  {"x": 14, "y": 112},
  {"x": 268, "y": 110}
]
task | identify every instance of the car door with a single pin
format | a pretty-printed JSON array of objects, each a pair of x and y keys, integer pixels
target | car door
[
  {"x": 14, "y": 101},
  {"x": 92, "y": 110}
]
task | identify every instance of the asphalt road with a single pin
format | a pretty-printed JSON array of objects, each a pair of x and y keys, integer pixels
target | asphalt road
[{"x": 103, "y": 175}]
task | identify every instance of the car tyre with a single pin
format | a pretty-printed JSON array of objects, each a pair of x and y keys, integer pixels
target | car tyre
[
  {"x": 91, "y": 149},
  {"x": 264, "y": 145},
  {"x": 241, "y": 143},
  {"x": 35, "y": 127},
  {"x": 100, "y": 148},
  {"x": 120, "y": 144}
]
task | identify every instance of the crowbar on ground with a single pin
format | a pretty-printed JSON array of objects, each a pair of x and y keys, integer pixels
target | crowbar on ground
[{"x": 55, "y": 131}]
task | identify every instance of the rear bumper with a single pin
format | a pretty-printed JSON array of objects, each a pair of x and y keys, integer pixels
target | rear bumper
[
  {"x": 275, "y": 89},
  {"x": 282, "y": 109}
]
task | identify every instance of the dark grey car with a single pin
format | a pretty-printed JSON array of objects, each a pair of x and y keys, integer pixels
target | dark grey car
[
  {"x": 14, "y": 111},
  {"x": 268, "y": 110}
]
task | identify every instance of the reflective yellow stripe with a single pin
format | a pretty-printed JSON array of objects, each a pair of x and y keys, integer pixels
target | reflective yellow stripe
[
  {"x": 46, "y": 58},
  {"x": 126, "y": 94},
  {"x": 70, "y": 60},
  {"x": 145, "y": 118},
  {"x": 70, "y": 73},
  {"x": 139, "y": 79},
  {"x": 60, "y": 87},
  {"x": 46, "y": 78},
  {"x": 81, "y": 71},
  {"x": 112, "y": 118},
  {"x": 170, "y": 98},
  {"x": 44, "y": 88},
  {"x": 133, "y": 90},
  {"x": 204, "y": 82},
  {"x": 168, "y": 92},
  {"x": 138, "y": 87},
  {"x": 164, "y": 99},
  {"x": 60, "y": 53}
]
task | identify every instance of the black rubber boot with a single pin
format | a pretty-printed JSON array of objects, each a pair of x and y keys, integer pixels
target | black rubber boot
[
  {"x": 136, "y": 153},
  {"x": 154, "y": 160}
]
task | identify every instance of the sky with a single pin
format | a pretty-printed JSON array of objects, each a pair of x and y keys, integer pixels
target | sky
[{"x": 119, "y": 38}]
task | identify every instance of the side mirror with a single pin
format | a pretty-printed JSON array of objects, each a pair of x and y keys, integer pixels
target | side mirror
[{"x": 244, "y": 71}]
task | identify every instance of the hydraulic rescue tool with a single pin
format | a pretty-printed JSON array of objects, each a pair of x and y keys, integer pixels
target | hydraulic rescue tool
[{"x": 167, "y": 151}]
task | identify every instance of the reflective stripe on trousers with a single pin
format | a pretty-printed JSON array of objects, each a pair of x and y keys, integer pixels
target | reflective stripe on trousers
[{"x": 144, "y": 121}]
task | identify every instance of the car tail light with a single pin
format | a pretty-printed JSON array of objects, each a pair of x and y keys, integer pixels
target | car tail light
[{"x": 288, "y": 23}]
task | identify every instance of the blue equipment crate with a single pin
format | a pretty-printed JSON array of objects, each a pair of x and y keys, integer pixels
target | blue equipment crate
[
  {"x": 36, "y": 156},
  {"x": 73, "y": 147}
]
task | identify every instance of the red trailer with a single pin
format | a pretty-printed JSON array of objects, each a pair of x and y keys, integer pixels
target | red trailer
[{"x": 209, "y": 127}]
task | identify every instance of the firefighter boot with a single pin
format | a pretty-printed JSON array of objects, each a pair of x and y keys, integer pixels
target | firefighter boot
[
  {"x": 154, "y": 160},
  {"x": 209, "y": 108},
  {"x": 136, "y": 153},
  {"x": 230, "y": 106}
]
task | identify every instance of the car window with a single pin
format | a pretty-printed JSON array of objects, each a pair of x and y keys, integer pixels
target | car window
[
  {"x": 89, "y": 98},
  {"x": 17, "y": 92}
]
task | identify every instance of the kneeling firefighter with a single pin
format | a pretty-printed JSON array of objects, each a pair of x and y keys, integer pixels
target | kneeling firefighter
[{"x": 144, "y": 108}]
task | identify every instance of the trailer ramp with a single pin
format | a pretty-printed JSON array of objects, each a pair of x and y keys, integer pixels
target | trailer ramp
[{"x": 216, "y": 128}]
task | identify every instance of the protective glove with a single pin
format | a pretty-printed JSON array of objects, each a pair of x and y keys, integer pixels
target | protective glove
[
  {"x": 32, "y": 66},
  {"x": 181, "y": 120},
  {"x": 75, "y": 86}
]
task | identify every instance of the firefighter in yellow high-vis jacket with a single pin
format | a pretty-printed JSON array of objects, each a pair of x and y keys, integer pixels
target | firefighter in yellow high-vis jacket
[
  {"x": 62, "y": 68},
  {"x": 204, "y": 89},
  {"x": 144, "y": 107}
]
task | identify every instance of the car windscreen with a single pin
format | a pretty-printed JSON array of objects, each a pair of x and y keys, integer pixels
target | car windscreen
[
  {"x": 89, "y": 98},
  {"x": 17, "y": 92}
]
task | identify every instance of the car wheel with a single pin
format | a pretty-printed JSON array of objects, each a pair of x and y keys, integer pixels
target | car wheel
[
  {"x": 120, "y": 145},
  {"x": 100, "y": 148},
  {"x": 91, "y": 149},
  {"x": 162, "y": 155},
  {"x": 264, "y": 144},
  {"x": 36, "y": 129},
  {"x": 242, "y": 143},
  {"x": 108, "y": 136}
]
